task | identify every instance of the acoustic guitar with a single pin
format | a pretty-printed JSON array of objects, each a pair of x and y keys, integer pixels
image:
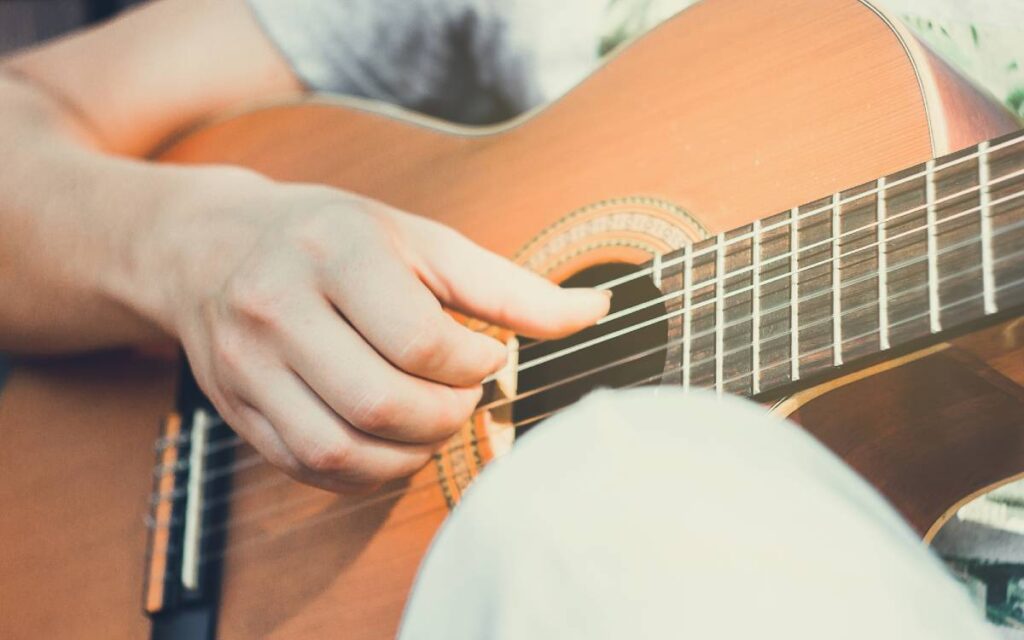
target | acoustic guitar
[{"x": 793, "y": 200}]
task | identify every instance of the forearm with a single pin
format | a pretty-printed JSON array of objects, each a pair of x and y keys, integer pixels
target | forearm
[{"x": 72, "y": 224}]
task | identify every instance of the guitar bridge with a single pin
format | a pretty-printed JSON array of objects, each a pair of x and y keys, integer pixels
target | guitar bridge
[{"x": 188, "y": 513}]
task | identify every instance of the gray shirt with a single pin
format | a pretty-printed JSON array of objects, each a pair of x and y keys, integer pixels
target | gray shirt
[{"x": 471, "y": 61}]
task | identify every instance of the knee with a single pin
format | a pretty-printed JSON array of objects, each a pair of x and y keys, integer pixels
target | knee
[
  {"x": 627, "y": 452},
  {"x": 642, "y": 426},
  {"x": 617, "y": 444}
]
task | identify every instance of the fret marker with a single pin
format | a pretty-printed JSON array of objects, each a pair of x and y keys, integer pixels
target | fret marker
[
  {"x": 988, "y": 283},
  {"x": 883, "y": 268},
  {"x": 719, "y": 312},
  {"x": 755, "y": 330},
  {"x": 794, "y": 290},
  {"x": 837, "y": 308},
  {"x": 933, "y": 254}
]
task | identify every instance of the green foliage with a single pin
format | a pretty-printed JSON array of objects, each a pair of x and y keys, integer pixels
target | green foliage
[
  {"x": 1016, "y": 101},
  {"x": 627, "y": 18}
]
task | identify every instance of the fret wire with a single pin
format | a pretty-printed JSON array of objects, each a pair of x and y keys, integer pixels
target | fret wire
[
  {"x": 966, "y": 300},
  {"x": 933, "y": 261},
  {"x": 881, "y": 209},
  {"x": 755, "y": 325},
  {"x": 558, "y": 354},
  {"x": 918, "y": 316},
  {"x": 719, "y": 312},
  {"x": 947, "y": 198},
  {"x": 656, "y": 269},
  {"x": 882, "y": 192},
  {"x": 794, "y": 305},
  {"x": 687, "y": 315},
  {"x": 856, "y": 281},
  {"x": 257, "y": 459},
  {"x": 837, "y": 315},
  {"x": 985, "y": 206},
  {"x": 1010, "y": 285},
  {"x": 527, "y": 421},
  {"x": 787, "y": 254},
  {"x": 675, "y": 261}
]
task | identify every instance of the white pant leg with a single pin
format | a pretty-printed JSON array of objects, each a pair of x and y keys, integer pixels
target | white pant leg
[{"x": 647, "y": 514}]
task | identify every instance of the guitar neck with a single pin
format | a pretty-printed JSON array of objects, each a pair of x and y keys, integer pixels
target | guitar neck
[{"x": 879, "y": 266}]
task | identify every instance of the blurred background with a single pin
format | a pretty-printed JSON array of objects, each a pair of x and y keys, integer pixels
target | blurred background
[{"x": 984, "y": 38}]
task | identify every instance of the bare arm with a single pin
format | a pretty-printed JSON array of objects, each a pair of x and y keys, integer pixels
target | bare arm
[
  {"x": 99, "y": 248},
  {"x": 69, "y": 113}
]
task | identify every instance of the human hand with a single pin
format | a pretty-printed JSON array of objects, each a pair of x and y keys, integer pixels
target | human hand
[{"x": 314, "y": 320}]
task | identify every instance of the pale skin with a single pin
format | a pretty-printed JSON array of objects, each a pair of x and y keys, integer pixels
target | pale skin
[{"x": 272, "y": 289}]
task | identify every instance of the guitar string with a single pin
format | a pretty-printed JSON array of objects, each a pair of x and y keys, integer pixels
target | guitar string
[
  {"x": 232, "y": 441},
  {"x": 783, "y": 256},
  {"x": 256, "y": 459},
  {"x": 219, "y": 446},
  {"x": 822, "y": 245},
  {"x": 225, "y": 443},
  {"x": 826, "y": 208},
  {"x": 713, "y": 246},
  {"x": 349, "y": 509},
  {"x": 800, "y": 216}
]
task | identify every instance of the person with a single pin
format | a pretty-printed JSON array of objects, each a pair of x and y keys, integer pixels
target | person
[{"x": 269, "y": 287}]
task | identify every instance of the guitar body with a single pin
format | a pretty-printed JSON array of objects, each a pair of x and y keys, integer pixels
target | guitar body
[{"x": 731, "y": 111}]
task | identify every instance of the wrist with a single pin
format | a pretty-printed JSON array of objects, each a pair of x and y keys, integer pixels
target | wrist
[{"x": 175, "y": 244}]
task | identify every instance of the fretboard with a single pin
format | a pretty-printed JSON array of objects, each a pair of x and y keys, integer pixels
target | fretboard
[{"x": 912, "y": 255}]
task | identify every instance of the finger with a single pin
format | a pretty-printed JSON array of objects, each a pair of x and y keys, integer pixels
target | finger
[
  {"x": 365, "y": 389},
  {"x": 396, "y": 313},
  {"x": 485, "y": 285},
  {"x": 270, "y": 445},
  {"x": 258, "y": 432},
  {"x": 245, "y": 420},
  {"x": 329, "y": 449}
]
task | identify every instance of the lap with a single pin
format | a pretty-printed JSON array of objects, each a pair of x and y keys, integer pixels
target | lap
[{"x": 651, "y": 513}]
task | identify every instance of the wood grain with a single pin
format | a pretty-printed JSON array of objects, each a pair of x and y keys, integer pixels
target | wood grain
[
  {"x": 938, "y": 429},
  {"x": 74, "y": 481}
]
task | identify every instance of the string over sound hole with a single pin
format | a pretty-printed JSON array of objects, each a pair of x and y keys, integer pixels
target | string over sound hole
[{"x": 634, "y": 357}]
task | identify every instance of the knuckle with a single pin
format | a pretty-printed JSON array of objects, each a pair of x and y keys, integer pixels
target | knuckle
[
  {"x": 227, "y": 351},
  {"x": 375, "y": 413},
  {"x": 256, "y": 301},
  {"x": 425, "y": 350},
  {"x": 315, "y": 235},
  {"x": 331, "y": 457}
]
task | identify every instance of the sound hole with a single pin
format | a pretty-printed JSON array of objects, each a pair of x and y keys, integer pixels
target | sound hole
[{"x": 552, "y": 376}]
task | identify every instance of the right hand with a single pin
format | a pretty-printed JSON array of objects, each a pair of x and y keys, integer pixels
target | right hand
[{"x": 314, "y": 320}]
